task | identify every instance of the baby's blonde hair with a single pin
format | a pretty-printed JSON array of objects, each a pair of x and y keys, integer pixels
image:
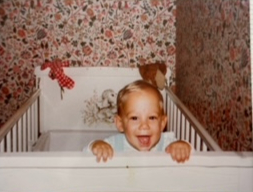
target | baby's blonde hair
[{"x": 139, "y": 85}]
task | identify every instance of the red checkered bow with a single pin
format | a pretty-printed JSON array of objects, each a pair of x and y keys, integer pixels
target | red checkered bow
[{"x": 56, "y": 72}]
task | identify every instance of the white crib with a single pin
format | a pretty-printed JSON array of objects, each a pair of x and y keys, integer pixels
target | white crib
[{"x": 40, "y": 146}]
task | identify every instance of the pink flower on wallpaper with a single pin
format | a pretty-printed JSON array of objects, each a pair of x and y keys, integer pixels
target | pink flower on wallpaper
[
  {"x": 8, "y": 57},
  {"x": 112, "y": 55},
  {"x": 109, "y": 34},
  {"x": 21, "y": 62},
  {"x": 144, "y": 17},
  {"x": 87, "y": 50},
  {"x": 77, "y": 53},
  {"x": 155, "y": 3},
  {"x": 90, "y": 12},
  {"x": 107, "y": 62},
  {"x": 162, "y": 53},
  {"x": 171, "y": 50},
  {"x": 68, "y": 2},
  {"x": 57, "y": 16},
  {"x": 95, "y": 58},
  {"x": 150, "y": 40},
  {"x": 65, "y": 40},
  {"x": 25, "y": 55}
]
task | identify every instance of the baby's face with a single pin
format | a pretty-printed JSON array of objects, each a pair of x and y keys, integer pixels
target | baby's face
[{"x": 142, "y": 120}]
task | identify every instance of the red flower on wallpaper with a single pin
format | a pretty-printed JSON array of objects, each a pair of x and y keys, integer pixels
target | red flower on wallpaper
[
  {"x": 16, "y": 69},
  {"x": 5, "y": 90},
  {"x": 2, "y": 12},
  {"x": 90, "y": 12},
  {"x": 2, "y": 51},
  {"x": 21, "y": 33}
]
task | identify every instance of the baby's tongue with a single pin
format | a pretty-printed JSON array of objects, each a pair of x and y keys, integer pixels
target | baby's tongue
[{"x": 144, "y": 140}]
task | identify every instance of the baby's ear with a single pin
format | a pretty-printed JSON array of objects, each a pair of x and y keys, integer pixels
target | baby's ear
[{"x": 119, "y": 123}]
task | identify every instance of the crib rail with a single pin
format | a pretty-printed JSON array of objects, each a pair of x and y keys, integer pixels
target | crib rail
[
  {"x": 186, "y": 126},
  {"x": 21, "y": 131}
]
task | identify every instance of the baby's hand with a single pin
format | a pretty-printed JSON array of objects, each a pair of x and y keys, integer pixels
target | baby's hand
[
  {"x": 179, "y": 151},
  {"x": 102, "y": 150}
]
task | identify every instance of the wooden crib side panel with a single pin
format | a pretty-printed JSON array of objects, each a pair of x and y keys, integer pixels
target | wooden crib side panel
[
  {"x": 65, "y": 172},
  {"x": 128, "y": 179}
]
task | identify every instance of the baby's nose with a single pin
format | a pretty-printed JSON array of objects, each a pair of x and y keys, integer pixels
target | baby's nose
[{"x": 144, "y": 125}]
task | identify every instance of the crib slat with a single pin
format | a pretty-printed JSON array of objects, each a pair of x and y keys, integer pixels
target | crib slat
[
  {"x": 178, "y": 124},
  {"x": 169, "y": 114},
  {"x": 29, "y": 135},
  {"x": 19, "y": 132},
  {"x": 193, "y": 137},
  {"x": 32, "y": 125},
  {"x": 187, "y": 131},
  {"x": 204, "y": 147},
  {"x": 183, "y": 127},
  {"x": 14, "y": 138},
  {"x": 175, "y": 119},
  {"x": 36, "y": 123},
  {"x": 2, "y": 145},
  {"x": 24, "y": 138},
  {"x": 198, "y": 142},
  {"x": 172, "y": 118},
  {"x": 8, "y": 141}
]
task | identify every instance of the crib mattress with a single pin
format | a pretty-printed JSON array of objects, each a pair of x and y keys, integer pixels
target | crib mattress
[{"x": 68, "y": 140}]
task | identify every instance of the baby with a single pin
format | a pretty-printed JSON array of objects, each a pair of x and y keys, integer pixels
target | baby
[{"x": 141, "y": 121}]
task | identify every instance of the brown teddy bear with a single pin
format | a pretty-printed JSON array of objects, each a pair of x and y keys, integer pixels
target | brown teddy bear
[{"x": 154, "y": 73}]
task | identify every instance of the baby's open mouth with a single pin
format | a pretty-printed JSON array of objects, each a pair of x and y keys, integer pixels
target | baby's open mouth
[{"x": 144, "y": 140}]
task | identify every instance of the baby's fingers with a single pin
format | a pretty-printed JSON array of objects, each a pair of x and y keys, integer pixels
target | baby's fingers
[
  {"x": 179, "y": 154},
  {"x": 103, "y": 153},
  {"x": 182, "y": 155}
]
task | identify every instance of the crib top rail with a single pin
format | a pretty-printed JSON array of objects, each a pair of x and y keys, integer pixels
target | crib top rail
[
  {"x": 16, "y": 116},
  {"x": 123, "y": 160},
  {"x": 209, "y": 141}
]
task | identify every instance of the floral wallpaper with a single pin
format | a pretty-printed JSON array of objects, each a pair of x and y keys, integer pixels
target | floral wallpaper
[
  {"x": 213, "y": 68},
  {"x": 82, "y": 32}
]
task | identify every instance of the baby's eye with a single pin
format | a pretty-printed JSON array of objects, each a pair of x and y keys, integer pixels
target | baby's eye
[
  {"x": 153, "y": 117},
  {"x": 133, "y": 118}
]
